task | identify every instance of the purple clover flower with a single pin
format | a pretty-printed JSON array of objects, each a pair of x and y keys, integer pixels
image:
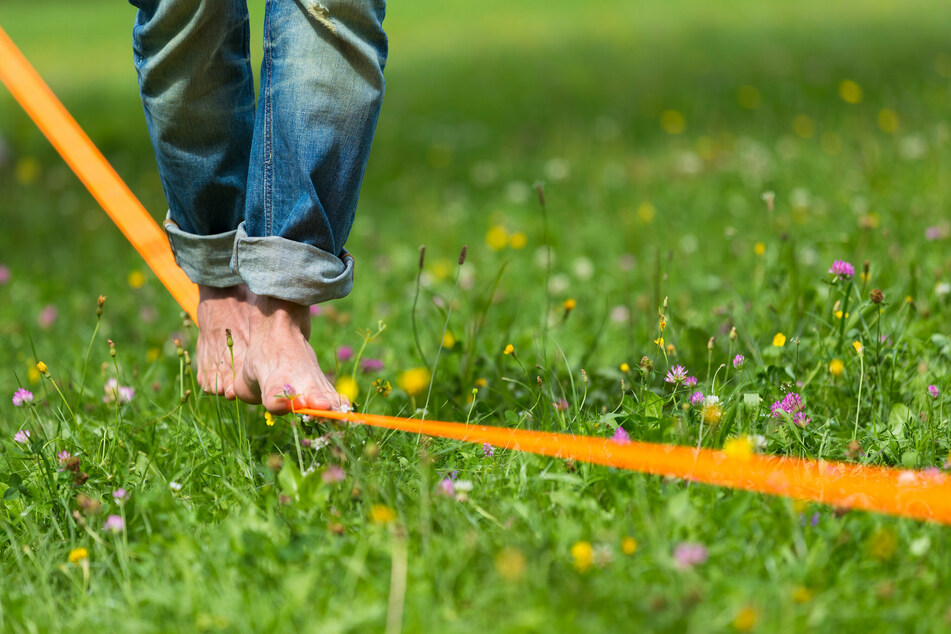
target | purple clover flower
[
  {"x": 487, "y": 450},
  {"x": 690, "y": 381},
  {"x": 690, "y": 554},
  {"x": 677, "y": 374},
  {"x": 22, "y": 436},
  {"x": 738, "y": 361},
  {"x": 446, "y": 487},
  {"x": 696, "y": 398},
  {"x": 621, "y": 437},
  {"x": 114, "y": 524},
  {"x": 561, "y": 404},
  {"x": 120, "y": 495},
  {"x": 790, "y": 406},
  {"x": 63, "y": 456},
  {"x": 22, "y": 397},
  {"x": 371, "y": 365},
  {"x": 933, "y": 391},
  {"x": 333, "y": 473},
  {"x": 4, "y": 274},
  {"x": 344, "y": 354},
  {"x": 841, "y": 268}
]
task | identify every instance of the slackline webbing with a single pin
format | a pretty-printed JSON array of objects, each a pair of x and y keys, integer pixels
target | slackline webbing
[{"x": 917, "y": 494}]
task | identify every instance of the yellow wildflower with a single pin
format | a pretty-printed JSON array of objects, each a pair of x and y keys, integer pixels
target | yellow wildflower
[
  {"x": 76, "y": 555},
  {"x": 497, "y": 237},
  {"x": 480, "y": 382},
  {"x": 583, "y": 555},
  {"x": 850, "y": 92},
  {"x": 382, "y": 514},
  {"x": 269, "y": 419},
  {"x": 570, "y": 305},
  {"x": 42, "y": 367},
  {"x": 801, "y": 594},
  {"x": 414, "y": 381},
  {"x": 628, "y": 545},
  {"x": 646, "y": 212},
  {"x": 625, "y": 367},
  {"x": 838, "y": 314},
  {"x": 779, "y": 340},
  {"x": 858, "y": 347},
  {"x": 739, "y": 448},
  {"x": 382, "y": 386},
  {"x": 660, "y": 342},
  {"x": 448, "y": 340},
  {"x": 510, "y": 564},
  {"x": 836, "y": 367},
  {"x": 509, "y": 349},
  {"x": 136, "y": 279},
  {"x": 662, "y": 323},
  {"x": 712, "y": 411},
  {"x": 745, "y": 619},
  {"x": 759, "y": 248},
  {"x": 33, "y": 375},
  {"x": 672, "y": 122},
  {"x": 348, "y": 387},
  {"x": 518, "y": 240}
]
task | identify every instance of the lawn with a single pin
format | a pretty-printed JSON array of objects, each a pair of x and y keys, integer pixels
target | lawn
[{"x": 703, "y": 166}]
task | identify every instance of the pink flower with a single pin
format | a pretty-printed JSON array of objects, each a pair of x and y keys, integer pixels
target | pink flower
[
  {"x": 621, "y": 437},
  {"x": 790, "y": 408},
  {"x": 22, "y": 436},
  {"x": 690, "y": 554},
  {"x": 47, "y": 317},
  {"x": 371, "y": 365},
  {"x": 333, "y": 473},
  {"x": 841, "y": 268},
  {"x": 561, "y": 404},
  {"x": 446, "y": 487},
  {"x": 933, "y": 391},
  {"x": 487, "y": 451},
  {"x": 4, "y": 274},
  {"x": 935, "y": 233},
  {"x": 315, "y": 310},
  {"x": 738, "y": 361},
  {"x": 114, "y": 524},
  {"x": 63, "y": 456},
  {"x": 677, "y": 374},
  {"x": 690, "y": 381},
  {"x": 344, "y": 354},
  {"x": 120, "y": 495},
  {"x": 696, "y": 398},
  {"x": 124, "y": 393},
  {"x": 22, "y": 397}
]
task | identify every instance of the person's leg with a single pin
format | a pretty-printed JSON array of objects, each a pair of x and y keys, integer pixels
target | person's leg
[
  {"x": 197, "y": 90},
  {"x": 321, "y": 90}
]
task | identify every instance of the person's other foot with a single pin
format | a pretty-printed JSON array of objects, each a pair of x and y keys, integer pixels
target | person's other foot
[
  {"x": 280, "y": 361},
  {"x": 221, "y": 309}
]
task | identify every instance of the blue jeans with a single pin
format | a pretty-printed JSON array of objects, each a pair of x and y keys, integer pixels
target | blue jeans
[{"x": 263, "y": 196}]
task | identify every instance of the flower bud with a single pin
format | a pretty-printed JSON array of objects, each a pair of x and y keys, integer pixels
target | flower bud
[
  {"x": 462, "y": 254},
  {"x": 876, "y": 296}
]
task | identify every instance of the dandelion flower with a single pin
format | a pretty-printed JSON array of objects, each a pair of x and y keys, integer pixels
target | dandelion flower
[
  {"x": 269, "y": 419},
  {"x": 836, "y": 367},
  {"x": 740, "y": 448},
  {"x": 779, "y": 340},
  {"x": 858, "y": 347},
  {"x": 569, "y": 305},
  {"x": 41, "y": 367},
  {"x": 497, "y": 237},
  {"x": 348, "y": 387},
  {"x": 382, "y": 514},
  {"x": 625, "y": 368},
  {"x": 76, "y": 555},
  {"x": 509, "y": 349},
  {"x": 414, "y": 381},
  {"x": 628, "y": 545},
  {"x": 22, "y": 397},
  {"x": 745, "y": 619},
  {"x": 759, "y": 248},
  {"x": 583, "y": 555}
]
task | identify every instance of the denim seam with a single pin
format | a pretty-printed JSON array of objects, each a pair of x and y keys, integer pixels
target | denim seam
[{"x": 268, "y": 126}]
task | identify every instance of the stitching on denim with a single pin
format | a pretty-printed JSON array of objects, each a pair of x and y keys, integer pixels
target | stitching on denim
[{"x": 268, "y": 123}]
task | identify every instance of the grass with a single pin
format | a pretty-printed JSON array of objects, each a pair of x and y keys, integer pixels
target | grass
[{"x": 483, "y": 101}]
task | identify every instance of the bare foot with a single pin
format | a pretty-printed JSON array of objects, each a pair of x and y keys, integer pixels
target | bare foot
[
  {"x": 280, "y": 361},
  {"x": 220, "y": 309}
]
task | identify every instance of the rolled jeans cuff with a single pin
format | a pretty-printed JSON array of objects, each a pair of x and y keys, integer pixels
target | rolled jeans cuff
[
  {"x": 206, "y": 260},
  {"x": 289, "y": 270}
]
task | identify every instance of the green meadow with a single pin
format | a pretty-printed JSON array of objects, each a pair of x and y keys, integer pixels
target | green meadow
[{"x": 702, "y": 166}]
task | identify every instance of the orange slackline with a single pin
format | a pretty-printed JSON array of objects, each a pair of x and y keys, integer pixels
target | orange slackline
[
  {"x": 94, "y": 171},
  {"x": 921, "y": 495}
]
